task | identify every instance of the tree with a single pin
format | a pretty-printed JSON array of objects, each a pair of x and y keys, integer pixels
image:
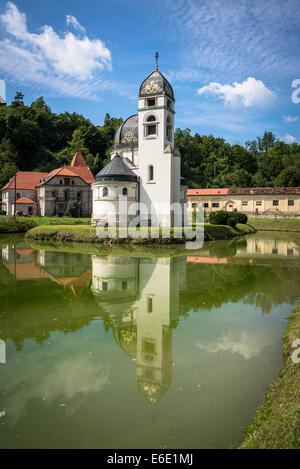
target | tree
[
  {"x": 73, "y": 209},
  {"x": 18, "y": 100},
  {"x": 266, "y": 142}
]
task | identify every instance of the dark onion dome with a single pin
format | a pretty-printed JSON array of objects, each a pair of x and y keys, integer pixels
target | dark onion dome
[
  {"x": 156, "y": 84},
  {"x": 116, "y": 170},
  {"x": 127, "y": 133}
]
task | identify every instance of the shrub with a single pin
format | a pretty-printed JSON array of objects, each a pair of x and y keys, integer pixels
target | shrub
[
  {"x": 73, "y": 209},
  {"x": 2, "y": 212},
  {"x": 231, "y": 221},
  {"x": 240, "y": 217},
  {"x": 218, "y": 218}
]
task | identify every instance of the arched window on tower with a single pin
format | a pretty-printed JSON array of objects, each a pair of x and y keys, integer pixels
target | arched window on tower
[
  {"x": 104, "y": 192},
  {"x": 150, "y": 173},
  {"x": 151, "y": 126},
  {"x": 169, "y": 128},
  {"x": 125, "y": 191}
]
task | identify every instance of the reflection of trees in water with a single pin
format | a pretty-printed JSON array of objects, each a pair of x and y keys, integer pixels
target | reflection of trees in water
[
  {"x": 34, "y": 309},
  {"x": 209, "y": 286}
]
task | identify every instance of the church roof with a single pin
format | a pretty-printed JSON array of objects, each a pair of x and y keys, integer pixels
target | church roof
[
  {"x": 116, "y": 170},
  {"x": 127, "y": 133},
  {"x": 156, "y": 84}
]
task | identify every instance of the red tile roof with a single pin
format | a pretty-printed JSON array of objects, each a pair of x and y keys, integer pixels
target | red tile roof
[
  {"x": 78, "y": 160},
  {"x": 25, "y": 180},
  {"x": 207, "y": 191},
  {"x": 245, "y": 191},
  {"x": 25, "y": 200},
  {"x": 265, "y": 190},
  {"x": 32, "y": 179},
  {"x": 78, "y": 167}
]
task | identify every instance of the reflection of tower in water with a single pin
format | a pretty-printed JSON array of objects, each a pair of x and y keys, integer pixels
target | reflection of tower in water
[{"x": 141, "y": 298}]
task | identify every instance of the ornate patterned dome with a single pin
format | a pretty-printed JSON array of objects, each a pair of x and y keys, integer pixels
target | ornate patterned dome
[
  {"x": 156, "y": 84},
  {"x": 127, "y": 133}
]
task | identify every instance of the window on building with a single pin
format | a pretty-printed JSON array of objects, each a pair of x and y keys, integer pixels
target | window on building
[
  {"x": 290, "y": 251},
  {"x": 73, "y": 182},
  {"x": 169, "y": 104},
  {"x": 151, "y": 130},
  {"x": 150, "y": 173},
  {"x": 205, "y": 204},
  {"x": 149, "y": 304},
  {"x": 169, "y": 128},
  {"x": 258, "y": 202},
  {"x": 104, "y": 192},
  {"x": 124, "y": 285},
  {"x": 78, "y": 195},
  {"x": 148, "y": 373},
  {"x": 104, "y": 286},
  {"x": 194, "y": 205},
  {"x": 275, "y": 202},
  {"x": 215, "y": 204},
  {"x": 60, "y": 181},
  {"x": 67, "y": 196},
  {"x": 148, "y": 346},
  {"x": 18, "y": 195},
  {"x": 245, "y": 202},
  {"x": 67, "y": 181},
  {"x": 150, "y": 102},
  {"x": 151, "y": 126},
  {"x": 53, "y": 193},
  {"x": 274, "y": 251},
  {"x": 291, "y": 202},
  {"x": 125, "y": 191}
]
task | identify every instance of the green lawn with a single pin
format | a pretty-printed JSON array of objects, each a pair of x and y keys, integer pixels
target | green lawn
[
  {"x": 23, "y": 224},
  {"x": 270, "y": 224}
]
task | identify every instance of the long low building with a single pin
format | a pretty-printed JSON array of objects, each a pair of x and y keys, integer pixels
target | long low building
[{"x": 257, "y": 200}]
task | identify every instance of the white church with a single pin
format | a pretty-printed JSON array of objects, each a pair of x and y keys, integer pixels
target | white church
[{"x": 144, "y": 172}]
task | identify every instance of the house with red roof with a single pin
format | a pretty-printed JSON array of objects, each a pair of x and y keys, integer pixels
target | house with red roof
[{"x": 48, "y": 194}]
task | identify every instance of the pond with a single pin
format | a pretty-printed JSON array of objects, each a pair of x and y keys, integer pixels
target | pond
[{"x": 137, "y": 350}]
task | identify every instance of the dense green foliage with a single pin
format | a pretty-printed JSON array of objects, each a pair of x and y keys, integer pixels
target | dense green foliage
[
  {"x": 240, "y": 217},
  {"x": 73, "y": 209},
  {"x": 218, "y": 217},
  {"x": 211, "y": 162},
  {"x": 221, "y": 217},
  {"x": 33, "y": 138}
]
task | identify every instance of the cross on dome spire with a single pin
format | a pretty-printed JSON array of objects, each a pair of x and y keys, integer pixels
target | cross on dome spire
[{"x": 156, "y": 60}]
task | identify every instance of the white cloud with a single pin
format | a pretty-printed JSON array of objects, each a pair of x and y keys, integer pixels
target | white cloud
[
  {"x": 249, "y": 93},
  {"x": 245, "y": 344},
  {"x": 288, "y": 139},
  {"x": 289, "y": 119},
  {"x": 67, "y": 64},
  {"x": 72, "y": 21}
]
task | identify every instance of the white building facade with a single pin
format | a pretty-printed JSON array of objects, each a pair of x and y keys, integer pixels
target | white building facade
[{"x": 144, "y": 170}]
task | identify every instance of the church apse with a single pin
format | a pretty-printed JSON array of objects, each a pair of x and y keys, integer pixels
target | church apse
[{"x": 141, "y": 299}]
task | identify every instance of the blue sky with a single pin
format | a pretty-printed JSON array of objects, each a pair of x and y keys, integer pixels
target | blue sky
[{"x": 231, "y": 62}]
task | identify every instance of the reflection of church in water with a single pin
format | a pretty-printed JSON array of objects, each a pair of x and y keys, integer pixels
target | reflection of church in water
[{"x": 141, "y": 299}]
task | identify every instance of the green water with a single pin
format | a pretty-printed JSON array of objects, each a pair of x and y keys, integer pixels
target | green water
[{"x": 138, "y": 351}]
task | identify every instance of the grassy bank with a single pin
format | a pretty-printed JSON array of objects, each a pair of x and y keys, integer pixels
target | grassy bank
[
  {"x": 87, "y": 234},
  {"x": 277, "y": 424},
  {"x": 270, "y": 224},
  {"x": 22, "y": 224},
  {"x": 9, "y": 225}
]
